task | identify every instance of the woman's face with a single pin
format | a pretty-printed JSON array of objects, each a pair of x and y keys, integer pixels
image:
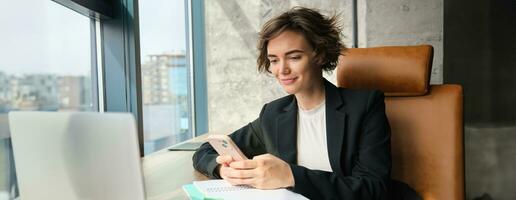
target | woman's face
[{"x": 291, "y": 62}]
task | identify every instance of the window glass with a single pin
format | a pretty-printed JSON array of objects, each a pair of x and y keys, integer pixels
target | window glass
[
  {"x": 46, "y": 65},
  {"x": 165, "y": 73}
]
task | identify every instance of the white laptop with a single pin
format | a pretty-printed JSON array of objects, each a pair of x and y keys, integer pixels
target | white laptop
[{"x": 76, "y": 155}]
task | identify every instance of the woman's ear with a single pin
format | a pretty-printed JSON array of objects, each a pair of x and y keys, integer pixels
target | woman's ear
[{"x": 318, "y": 58}]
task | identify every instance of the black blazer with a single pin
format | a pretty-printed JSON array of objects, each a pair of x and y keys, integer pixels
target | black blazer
[{"x": 358, "y": 138}]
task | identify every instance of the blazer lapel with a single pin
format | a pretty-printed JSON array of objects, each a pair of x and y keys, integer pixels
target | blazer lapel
[
  {"x": 286, "y": 135},
  {"x": 335, "y": 126}
]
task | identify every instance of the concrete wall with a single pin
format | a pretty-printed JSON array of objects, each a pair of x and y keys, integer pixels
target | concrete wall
[
  {"x": 403, "y": 22},
  {"x": 490, "y": 162},
  {"x": 480, "y": 56},
  {"x": 480, "y": 47}
]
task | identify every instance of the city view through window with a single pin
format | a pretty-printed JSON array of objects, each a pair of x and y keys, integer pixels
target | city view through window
[
  {"x": 45, "y": 92},
  {"x": 48, "y": 63},
  {"x": 45, "y": 66},
  {"x": 165, "y": 73}
]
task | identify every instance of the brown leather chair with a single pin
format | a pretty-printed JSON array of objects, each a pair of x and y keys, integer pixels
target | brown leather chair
[{"x": 427, "y": 139}]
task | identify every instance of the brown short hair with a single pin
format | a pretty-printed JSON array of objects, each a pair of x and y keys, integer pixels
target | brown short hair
[{"x": 321, "y": 32}]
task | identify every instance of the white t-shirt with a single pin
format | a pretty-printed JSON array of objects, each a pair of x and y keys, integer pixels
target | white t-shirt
[{"x": 312, "y": 148}]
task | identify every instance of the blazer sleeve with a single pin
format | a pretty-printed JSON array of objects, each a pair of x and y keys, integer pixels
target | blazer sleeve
[
  {"x": 248, "y": 139},
  {"x": 370, "y": 175}
]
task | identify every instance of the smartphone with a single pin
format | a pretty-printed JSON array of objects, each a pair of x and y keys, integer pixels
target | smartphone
[{"x": 224, "y": 145}]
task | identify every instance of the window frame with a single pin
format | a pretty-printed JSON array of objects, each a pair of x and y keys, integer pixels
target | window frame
[
  {"x": 122, "y": 64},
  {"x": 199, "y": 89},
  {"x": 117, "y": 63}
]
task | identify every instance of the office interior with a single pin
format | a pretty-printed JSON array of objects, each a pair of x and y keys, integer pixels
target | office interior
[{"x": 185, "y": 68}]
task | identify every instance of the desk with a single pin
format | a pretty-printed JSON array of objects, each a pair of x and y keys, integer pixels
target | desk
[{"x": 165, "y": 172}]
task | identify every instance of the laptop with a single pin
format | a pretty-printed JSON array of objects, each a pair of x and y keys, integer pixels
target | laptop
[{"x": 76, "y": 156}]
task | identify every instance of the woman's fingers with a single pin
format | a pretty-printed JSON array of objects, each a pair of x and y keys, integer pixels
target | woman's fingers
[
  {"x": 240, "y": 174},
  {"x": 263, "y": 172},
  {"x": 224, "y": 159},
  {"x": 223, "y": 171},
  {"x": 239, "y": 177},
  {"x": 244, "y": 164}
]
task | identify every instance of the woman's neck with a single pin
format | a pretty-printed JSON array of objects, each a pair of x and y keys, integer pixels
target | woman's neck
[{"x": 312, "y": 97}]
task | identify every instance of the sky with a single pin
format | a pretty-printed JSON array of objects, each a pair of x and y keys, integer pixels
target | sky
[
  {"x": 41, "y": 36},
  {"x": 162, "y": 26}
]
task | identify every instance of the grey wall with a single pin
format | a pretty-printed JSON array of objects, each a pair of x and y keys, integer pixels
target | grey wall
[
  {"x": 490, "y": 161},
  {"x": 403, "y": 22},
  {"x": 480, "y": 47}
]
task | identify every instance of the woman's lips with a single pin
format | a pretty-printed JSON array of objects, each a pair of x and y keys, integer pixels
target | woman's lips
[{"x": 288, "y": 81}]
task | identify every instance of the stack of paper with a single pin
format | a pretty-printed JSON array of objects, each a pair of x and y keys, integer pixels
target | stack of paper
[{"x": 221, "y": 189}]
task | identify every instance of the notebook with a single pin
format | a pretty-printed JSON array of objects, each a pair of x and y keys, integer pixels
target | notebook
[{"x": 221, "y": 189}]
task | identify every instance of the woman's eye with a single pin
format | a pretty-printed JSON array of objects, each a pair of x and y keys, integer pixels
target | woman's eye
[
  {"x": 273, "y": 61},
  {"x": 295, "y": 57}
]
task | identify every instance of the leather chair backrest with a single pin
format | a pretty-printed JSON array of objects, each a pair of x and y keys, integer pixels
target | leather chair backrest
[{"x": 426, "y": 121}]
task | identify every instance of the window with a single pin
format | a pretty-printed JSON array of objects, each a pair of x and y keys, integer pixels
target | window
[
  {"x": 165, "y": 73},
  {"x": 46, "y": 65}
]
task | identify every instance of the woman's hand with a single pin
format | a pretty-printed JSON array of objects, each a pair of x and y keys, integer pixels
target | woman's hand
[
  {"x": 263, "y": 172},
  {"x": 224, "y": 162}
]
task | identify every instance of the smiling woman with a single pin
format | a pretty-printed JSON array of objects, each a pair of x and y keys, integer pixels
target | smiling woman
[
  {"x": 291, "y": 58},
  {"x": 320, "y": 141},
  {"x": 232, "y": 28}
]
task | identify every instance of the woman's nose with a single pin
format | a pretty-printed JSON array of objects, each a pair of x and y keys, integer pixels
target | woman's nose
[{"x": 284, "y": 68}]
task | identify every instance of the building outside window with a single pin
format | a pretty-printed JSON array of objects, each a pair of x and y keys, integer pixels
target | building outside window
[{"x": 165, "y": 73}]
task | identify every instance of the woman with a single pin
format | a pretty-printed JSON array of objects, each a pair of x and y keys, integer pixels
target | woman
[{"x": 320, "y": 141}]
